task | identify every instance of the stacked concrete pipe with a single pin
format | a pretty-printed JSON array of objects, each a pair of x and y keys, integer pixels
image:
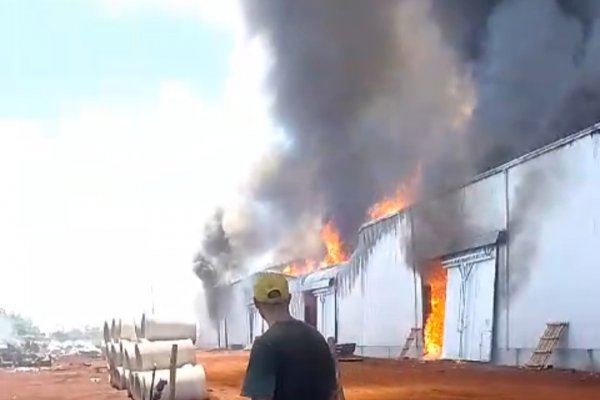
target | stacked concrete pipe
[{"x": 134, "y": 350}]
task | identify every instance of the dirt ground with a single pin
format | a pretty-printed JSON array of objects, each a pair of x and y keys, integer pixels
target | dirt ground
[{"x": 78, "y": 379}]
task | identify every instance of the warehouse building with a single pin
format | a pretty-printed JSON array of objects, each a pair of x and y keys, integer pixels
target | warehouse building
[{"x": 516, "y": 248}]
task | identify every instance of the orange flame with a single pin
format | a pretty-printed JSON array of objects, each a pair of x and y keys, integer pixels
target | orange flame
[
  {"x": 298, "y": 268},
  {"x": 332, "y": 240},
  {"x": 434, "y": 327},
  {"x": 404, "y": 196},
  {"x": 336, "y": 253}
]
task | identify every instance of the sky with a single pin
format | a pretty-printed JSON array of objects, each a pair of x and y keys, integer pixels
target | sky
[{"x": 123, "y": 123}]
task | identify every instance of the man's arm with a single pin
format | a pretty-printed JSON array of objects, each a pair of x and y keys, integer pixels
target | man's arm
[{"x": 261, "y": 374}]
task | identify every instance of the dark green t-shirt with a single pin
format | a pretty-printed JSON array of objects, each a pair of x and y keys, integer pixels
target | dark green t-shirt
[{"x": 291, "y": 361}]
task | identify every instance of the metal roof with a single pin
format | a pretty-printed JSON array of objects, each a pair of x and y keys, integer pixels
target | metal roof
[{"x": 319, "y": 279}]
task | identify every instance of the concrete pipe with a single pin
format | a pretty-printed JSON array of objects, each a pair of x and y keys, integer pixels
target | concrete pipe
[
  {"x": 138, "y": 328},
  {"x": 124, "y": 347},
  {"x": 115, "y": 329},
  {"x": 115, "y": 355},
  {"x": 111, "y": 378},
  {"x": 106, "y": 332},
  {"x": 105, "y": 351},
  {"x": 190, "y": 383},
  {"x": 155, "y": 329},
  {"x": 128, "y": 375},
  {"x": 132, "y": 377},
  {"x": 149, "y": 355},
  {"x": 129, "y": 358},
  {"x": 137, "y": 391},
  {"x": 127, "y": 331},
  {"x": 119, "y": 377},
  {"x": 145, "y": 381}
]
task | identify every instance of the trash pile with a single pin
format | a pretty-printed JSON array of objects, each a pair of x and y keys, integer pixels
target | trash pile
[
  {"x": 145, "y": 358},
  {"x": 28, "y": 354},
  {"x": 81, "y": 348}
]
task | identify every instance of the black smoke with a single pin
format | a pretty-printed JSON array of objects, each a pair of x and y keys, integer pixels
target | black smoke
[
  {"x": 367, "y": 91},
  {"x": 214, "y": 263}
]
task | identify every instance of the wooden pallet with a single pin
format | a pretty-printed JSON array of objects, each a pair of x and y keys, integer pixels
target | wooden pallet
[
  {"x": 547, "y": 344},
  {"x": 414, "y": 337}
]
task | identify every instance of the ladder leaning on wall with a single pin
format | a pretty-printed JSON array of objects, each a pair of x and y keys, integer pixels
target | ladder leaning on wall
[
  {"x": 549, "y": 341},
  {"x": 414, "y": 339}
]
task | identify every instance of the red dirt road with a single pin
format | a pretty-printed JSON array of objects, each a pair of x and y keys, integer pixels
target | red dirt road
[{"x": 367, "y": 380}]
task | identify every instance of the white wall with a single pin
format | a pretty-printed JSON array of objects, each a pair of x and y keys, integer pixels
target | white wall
[
  {"x": 350, "y": 313},
  {"x": 382, "y": 307},
  {"x": 548, "y": 271},
  {"x": 554, "y": 272},
  {"x": 238, "y": 323}
]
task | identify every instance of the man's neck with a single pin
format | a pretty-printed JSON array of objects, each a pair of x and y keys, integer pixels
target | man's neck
[{"x": 279, "y": 317}]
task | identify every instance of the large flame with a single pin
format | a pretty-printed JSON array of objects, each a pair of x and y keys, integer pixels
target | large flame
[
  {"x": 434, "y": 327},
  {"x": 336, "y": 253},
  {"x": 404, "y": 196},
  {"x": 298, "y": 268},
  {"x": 332, "y": 240}
]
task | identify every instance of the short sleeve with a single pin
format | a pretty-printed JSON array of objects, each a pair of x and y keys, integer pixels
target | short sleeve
[{"x": 262, "y": 371}]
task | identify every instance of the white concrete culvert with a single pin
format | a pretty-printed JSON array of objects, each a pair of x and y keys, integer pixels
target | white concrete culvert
[
  {"x": 111, "y": 379},
  {"x": 127, "y": 331},
  {"x": 138, "y": 327},
  {"x": 157, "y": 355},
  {"x": 125, "y": 347},
  {"x": 160, "y": 329},
  {"x": 128, "y": 380},
  {"x": 119, "y": 378},
  {"x": 106, "y": 353},
  {"x": 190, "y": 383},
  {"x": 136, "y": 392},
  {"x": 129, "y": 358},
  {"x": 132, "y": 377},
  {"x": 106, "y": 332},
  {"x": 115, "y": 329},
  {"x": 115, "y": 355}
]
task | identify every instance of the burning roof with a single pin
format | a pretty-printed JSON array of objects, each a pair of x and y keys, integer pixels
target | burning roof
[{"x": 435, "y": 89}]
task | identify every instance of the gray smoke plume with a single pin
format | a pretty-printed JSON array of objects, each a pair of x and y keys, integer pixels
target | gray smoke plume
[
  {"x": 369, "y": 91},
  {"x": 7, "y": 331},
  {"x": 214, "y": 263},
  {"x": 536, "y": 196}
]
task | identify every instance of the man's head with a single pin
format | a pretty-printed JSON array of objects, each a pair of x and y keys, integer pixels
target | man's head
[{"x": 272, "y": 296}]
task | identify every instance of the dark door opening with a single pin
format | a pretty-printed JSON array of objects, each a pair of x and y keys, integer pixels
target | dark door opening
[
  {"x": 310, "y": 309},
  {"x": 251, "y": 322},
  {"x": 426, "y": 300}
]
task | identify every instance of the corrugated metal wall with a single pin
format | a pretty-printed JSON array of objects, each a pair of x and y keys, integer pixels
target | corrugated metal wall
[
  {"x": 383, "y": 306},
  {"x": 548, "y": 271},
  {"x": 553, "y": 263}
]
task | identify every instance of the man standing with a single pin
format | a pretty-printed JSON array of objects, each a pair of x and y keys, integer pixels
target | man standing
[{"x": 291, "y": 360}]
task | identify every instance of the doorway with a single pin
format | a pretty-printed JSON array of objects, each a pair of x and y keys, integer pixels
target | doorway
[
  {"x": 310, "y": 309},
  {"x": 434, "y": 308},
  {"x": 470, "y": 295}
]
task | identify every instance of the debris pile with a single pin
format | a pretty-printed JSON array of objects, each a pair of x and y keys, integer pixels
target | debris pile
[
  {"x": 141, "y": 360},
  {"x": 28, "y": 354}
]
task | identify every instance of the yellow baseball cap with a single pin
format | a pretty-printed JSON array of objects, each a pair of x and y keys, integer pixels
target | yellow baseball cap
[{"x": 271, "y": 288}]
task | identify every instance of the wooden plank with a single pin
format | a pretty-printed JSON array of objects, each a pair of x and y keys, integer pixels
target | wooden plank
[
  {"x": 412, "y": 338},
  {"x": 547, "y": 344},
  {"x": 173, "y": 372}
]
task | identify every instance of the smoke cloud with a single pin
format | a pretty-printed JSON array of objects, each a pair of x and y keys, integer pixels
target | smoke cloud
[
  {"x": 369, "y": 92},
  {"x": 214, "y": 264},
  {"x": 7, "y": 331}
]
